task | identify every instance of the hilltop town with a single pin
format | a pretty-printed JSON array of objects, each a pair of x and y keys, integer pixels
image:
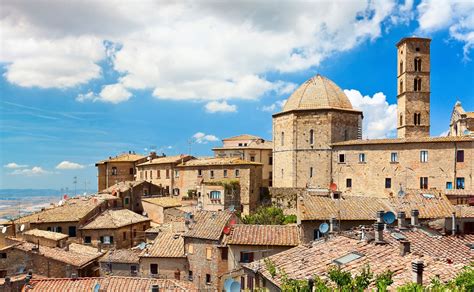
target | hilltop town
[{"x": 316, "y": 208}]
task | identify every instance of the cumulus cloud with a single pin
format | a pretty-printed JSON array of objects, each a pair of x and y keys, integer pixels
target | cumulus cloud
[
  {"x": 276, "y": 106},
  {"x": 207, "y": 51},
  {"x": 222, "y": 107},
  {"x": 13, "y": 165},
  {"x": 380, "y": 117},
  {"x": 34, "y": 171},
  {"x": 456, "y": 15},
  {"x": 202, "y": 138},
  {"x": 69, "y": 165}
]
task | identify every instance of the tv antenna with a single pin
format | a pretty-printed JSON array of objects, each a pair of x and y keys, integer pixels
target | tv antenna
[{"x": 75, "y": 185}]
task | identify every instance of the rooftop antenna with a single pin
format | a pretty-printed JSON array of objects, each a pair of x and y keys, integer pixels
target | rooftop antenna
[{"x": 75, "y": 185}]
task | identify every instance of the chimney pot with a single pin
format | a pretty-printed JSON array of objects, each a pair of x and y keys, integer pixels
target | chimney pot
[
  {"x": 378, "y": 227},
  {"x": 453, "y": 223},
  {"x": 332, "y": 224},
  {"x": 380, "y": 216},
  {"x": 417, "y": 267},
  {"x": 414, "y": 217},
  {"x": 401, "y": 220},
  {"x": 404, "y": 247},
  {"x": 155, "y": 288}
]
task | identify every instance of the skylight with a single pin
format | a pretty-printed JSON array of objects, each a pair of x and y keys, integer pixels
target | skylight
[
  {"x": 398, "y": 236},
  {"x": 348, "y": 258}
]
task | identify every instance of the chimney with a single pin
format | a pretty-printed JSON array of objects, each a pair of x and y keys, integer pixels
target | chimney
[
  {"x": 417, "y": 267},
  {"x": 332, "y": 224},
  {"x": 404, "y": 247},
  {"x": 7, "y": 281},
  {"x": 401, "y": 220},
  {"x": 66, "y": 247},
  {"x": 378, "y": 228},
  {"x": 414, "y": 217},
  {"x": 99, "y": 247},
  {"x": 380, "y": 216},
  {"x": 155, "y": 288},
  {"x": 453, "y": 225}
]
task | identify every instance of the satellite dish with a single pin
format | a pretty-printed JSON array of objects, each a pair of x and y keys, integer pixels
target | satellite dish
[
  {"x": 389, "y": 217},
  {"x": 333, "y": 187},
  {"x": 232, "y": 208},
  {"x": 4, "y": 229},
  {"x": 235, "y": 287},
  {"x": 142, "y": 245},
  {"x": 401, "y": 193},
  {"x": 97, "y": 287},
  {"x": 467, "y": 132},
  {"x": 22, "y": 227},
  {"x": 227, "y": 284},
  {"x": 144, "y": 213},
  {"x": 324, "y": 228}
]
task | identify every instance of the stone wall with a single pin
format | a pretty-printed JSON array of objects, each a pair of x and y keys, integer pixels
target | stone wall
[
  {"x": 134, "y": 234},
  {"x": 125, "y": 172},
  {"x": 168, "y": 268}
]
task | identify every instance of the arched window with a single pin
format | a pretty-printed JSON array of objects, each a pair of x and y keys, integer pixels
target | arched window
[
  {"x": 282, "y": 138},
  {"x": 417, "y": 119},
  {"x": 401, "y": 119},
  {"x": 401, "y": 86},
  {"x": 401, "y": 68},
  {"x": 311, "y": 136},
  {"x": 419, "y": 84}
]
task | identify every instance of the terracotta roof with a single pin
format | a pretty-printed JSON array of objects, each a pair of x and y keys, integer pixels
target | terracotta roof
[
  {"x": 112, "y": 284},
  {"x": 459, "y": 192},
  {"x": 404, "y": 141},
  {"x": 217, "y": 161},
  {"x": 317, "y": 92},
  {"x": 252, "y": 145},
  {"x": 166, "y": 245},
  {"x": 276, "y": 235},
  {"x": 78, "y": 255},
  {"x": 175, "y": 227},
  {"x": 123, "y": 186},
  {"x": 72, "y": 210},
  {"x": 129, "y": 256},
  {"x": 429, "y": 203},
  {"x": 112, "y": 219},
  {"x": 166, "y": 202},
  {"x": 124, "y": 157},
  {"x": 464, "y": 211},
  {"x": 167, "y": 159},
  {"x": 208, "y": 224},
  {"x": 46, "y": 234},
  {"x": 308, "y": 260},
  {"x": 243, "y": 137}
]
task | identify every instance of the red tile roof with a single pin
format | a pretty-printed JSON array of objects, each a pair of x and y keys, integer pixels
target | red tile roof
[
  {"x": 112, "y": 284},
  {"x": 112, "y": 219},
  {"x": 276, "y": 235},
  {"x": 208, "y": 224},
  {"x": 121, "y": 256},
  {"x": 166, "y": 245},
  {"x": 405, "y": 141}
]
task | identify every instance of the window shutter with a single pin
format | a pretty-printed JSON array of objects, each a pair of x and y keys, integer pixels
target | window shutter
[{"x": 251, "y": 257}]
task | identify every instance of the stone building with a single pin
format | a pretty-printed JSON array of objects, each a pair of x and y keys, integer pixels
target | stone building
[
  {"x": 462, "y": 122},
  {"x": 161, "y": 172},
  {"x": 129, "y": 194},
  {"x": 118, "y": 168},
  {"x": 250, "y": 148},
  {"x": 46, "y": 238},
  {"x": 115, "y": 229},
  {"x": 120, "y": 262},
  {"x": 157, "y": 208}
]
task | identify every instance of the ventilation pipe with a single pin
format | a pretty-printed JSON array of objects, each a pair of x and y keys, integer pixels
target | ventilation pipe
[
  {"x": 332, "y": 224},
  {"x": 401, "y": 220},
  {"x": 378, "y": 227},
  {"x": 417, "y": 267},
  {"x": 453, "y": 225},
  {"x": 380, "y": 216},
  {"x": 404, "y": 247},
  {"x": 414, "y": 217},
  {"x": 155, "y": 288}
]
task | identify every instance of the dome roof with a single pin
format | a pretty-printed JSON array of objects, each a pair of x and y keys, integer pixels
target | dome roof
[{"x": 316, "y": 93}]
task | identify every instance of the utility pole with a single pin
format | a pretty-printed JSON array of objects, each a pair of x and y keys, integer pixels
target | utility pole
[{"x": 75, "y": 185}]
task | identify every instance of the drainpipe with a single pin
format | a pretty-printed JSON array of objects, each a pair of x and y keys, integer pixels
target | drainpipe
[{"x": 453, "y": 223}]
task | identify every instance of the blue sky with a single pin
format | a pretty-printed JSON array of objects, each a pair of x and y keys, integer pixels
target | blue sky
[{"x": 79, "y": 87}]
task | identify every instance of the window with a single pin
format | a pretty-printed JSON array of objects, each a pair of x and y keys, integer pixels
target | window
[
  {"x": 252, "y": 158},
  {"x": 282, "y": 138},
  {"x": 215, "y": 195},
  {"x": 342, "y": 158},
  {"x": 151, "y": 174},
  {"x": 348, "y": 258},
  {"x": 176, "y": 173},
  {"x": 48, "y": 229},
  {"x": 460, "y": 183},
  {"x": 209, "y": 253},
  {"x": 250, "y": 282},
  {"x": 199, "y": 172},
  {"x": 141, "y": 174},
  {"x": 58, "y": 229},
  {"x": 349, "y": 183},
  {"x": 133, "y": 270},
  {"x": 154, "y": 269},
  {"x": 107, "y": 239},
  {"x": 224, "y": 253},
  {"x": 417, "y": 84},
  {"x": 72, "y": 231},
  {"x": 124, "y": 235},
  {"x": 212, "y": 173},
  {"x": 401, "y": 67},
  {"x": 311, "y": 172},
  {"x": 311, "y": 137},
  {"x": 246, "y": 257},
  {"x": 176, "y": 192},
  {"x": 114, "y": 170},
  {"x": 3, "y": 255},
  {"x": 225, "y": 172},
  {"x": 361, "y": 157},
  {"x": 401, "y": 86},
  {"x": 130, "y": 170},
  {"x": 146, "y": 175},
  {"x": 423, "y": 183},
  {"x": 449, "y": 185},
  {"x": 167, "y": 173},
  {"x": 460, "y": 156},
  {"x": 401, "y": 119},
  {"x": 423, "y": 156},
  {"x": 417, "y": 64},
  {"x": 87, "y": 239},
  {"x": 240, "y": 144},
  {"x": 190, "y": 249},
  {"x": 388, "y": 183},
  {"x": 158, "y": 174},
  {"x": 282, "y": 172},
  {"x": 417, "y": 49},
  {"x": 237, "y": 173},
  {"x": 208, "y": 279},
  {"x": 417, "y": 119},
  {"x": 190, "y": 275},
  {"x": 270, "y": 160},
  {"x": 394, "y": 157}
]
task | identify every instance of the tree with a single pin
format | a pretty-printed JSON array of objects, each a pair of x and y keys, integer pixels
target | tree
[{"x": 268, "y": 216}]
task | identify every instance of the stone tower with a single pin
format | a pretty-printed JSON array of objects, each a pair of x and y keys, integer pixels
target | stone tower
[
  {"x": 413, "y": 83},
  {"x": 317, "y": 114}
]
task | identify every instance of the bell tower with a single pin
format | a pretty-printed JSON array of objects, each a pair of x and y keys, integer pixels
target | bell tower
[{"x": 413, "y": 87}]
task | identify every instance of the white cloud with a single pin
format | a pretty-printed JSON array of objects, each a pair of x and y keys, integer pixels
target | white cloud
[
  {"x": 202, "y": 138},
  {"x": 380, "y": 117},
  {"x": 276, "y": 106},
  {"x": 34, "y": 171},
  {"x": 222, "y": 107},
  {"x": 207, "y": 51},
  {"x": 69, "y": 165},
  {"x": 14, "y": 165},
  {"x": 457, "y": 15}
]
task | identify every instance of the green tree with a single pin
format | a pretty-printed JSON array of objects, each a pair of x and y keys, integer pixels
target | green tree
[
  {"x": 383, "y": 280},
  {"x": 268, "y": 216},
  {"x": 343, "y": 279},
  {"x": 363, "y": 280}
]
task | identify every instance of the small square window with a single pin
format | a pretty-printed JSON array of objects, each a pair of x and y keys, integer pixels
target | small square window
[
  {"x": 342, "y": 158},
  {"x": 423, "y": 156},
  {"x": 388, "y": 183},
  {"x": 349, "y": 183},
  {"x": 3, "y": 255},
  {"x": 208, "y": 279},
  {"x": 460, "y": 156},
  {"x": 394, "y": 157},
  {"x": 460, "y": 183},
  {"x": 154, "y": 269},
  {"x": 362, "y": 157},
  {"x": 449, "y": 185},
  {"x": 87, "y": 239},
  {"x": 252, "y": 158}
]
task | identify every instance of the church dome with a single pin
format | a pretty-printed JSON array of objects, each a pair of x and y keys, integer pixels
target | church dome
[{"x": 317, "y": 93}]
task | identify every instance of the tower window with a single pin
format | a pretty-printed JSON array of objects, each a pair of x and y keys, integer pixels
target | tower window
[
  {"x": 401, "y": 119},
  {"x": 417, "y": 84},
  {"x": 423, "y": 156},
  {"x": 362, "y": 157},
  {"x": 401, "y": 67},
  {"x": 460, "y": 156},
  {"x": 417, "y": 62},
  {"x": 417, "y": 119},
  {"x": 342, "y": 158},
  {"x": 282, "y": 138},
  {"x": 311, "y": 136},
  {"x": 401, "y": 86},
  {"x": 311, "y": 172},
  {"x": 388, "y": 183},
  {"x": 417, "y": 49},
  {"x": 423, "y": 183}
]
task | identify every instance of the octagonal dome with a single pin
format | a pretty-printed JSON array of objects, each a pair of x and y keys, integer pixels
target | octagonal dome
[{"x": 317, "y": 93}]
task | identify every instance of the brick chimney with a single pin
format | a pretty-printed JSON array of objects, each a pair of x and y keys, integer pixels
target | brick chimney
[
  {"x": 401, "y": 216},
  {"x": 332, "y": 224},
  {"x": 99, "y": 247},
  {"x": 414, "y": 217},
  {"x": 404, "y": 247},
  {"x": 417, "y": 268},
  {"x": 378, "y": 228},
  {"x": 380, "y": 216}
]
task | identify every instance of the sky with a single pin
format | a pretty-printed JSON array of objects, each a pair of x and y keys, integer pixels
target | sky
[{"x": 84, "y": 80}]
